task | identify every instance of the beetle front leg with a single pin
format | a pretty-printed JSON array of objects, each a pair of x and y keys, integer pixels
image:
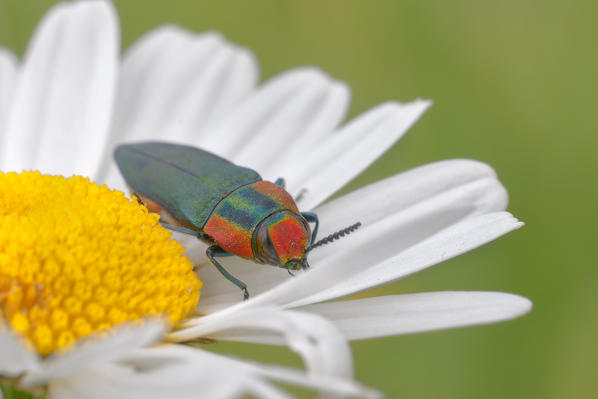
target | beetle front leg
[
  {"x": 214, "y": 251},
  {"x": 312, "y": 218}
]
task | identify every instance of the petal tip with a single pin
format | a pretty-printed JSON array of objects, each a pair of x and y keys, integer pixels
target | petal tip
[
  {"x": 423, "y": 102},
  {"x": 307, "y": 73},
  {"x": 518, "y": 305},
  {"x": 93, "y": 11}
]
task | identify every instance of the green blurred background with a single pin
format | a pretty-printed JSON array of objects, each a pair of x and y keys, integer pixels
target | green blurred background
[{"x": 514, "y": 85}]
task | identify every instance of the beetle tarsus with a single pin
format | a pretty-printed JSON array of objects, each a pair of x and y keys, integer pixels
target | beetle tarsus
[{"x": 304, "y": 264}]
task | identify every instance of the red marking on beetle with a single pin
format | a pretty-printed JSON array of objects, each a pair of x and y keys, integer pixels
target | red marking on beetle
[
  {"x": 289, "y": 238},
  {"x": 153, "y": 207},
  {"x": 277, "y": 193},
  {"x": 229, "y": 236}
]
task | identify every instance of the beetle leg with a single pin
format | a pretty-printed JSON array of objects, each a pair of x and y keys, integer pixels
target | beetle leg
[
  {"x": 313, "y": 218},
  {"x": 280, "y": 182},
  {"x": 137, "y": 198},
  {"x": 214, "y": 251}
]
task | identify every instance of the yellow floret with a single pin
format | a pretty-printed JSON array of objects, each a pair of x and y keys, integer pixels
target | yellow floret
[{"x": 76, "y": 258}]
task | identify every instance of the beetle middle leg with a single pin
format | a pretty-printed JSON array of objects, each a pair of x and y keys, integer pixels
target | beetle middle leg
[
  {"x": 215, "y": 251},
  {"x": 280, "y": 182}
]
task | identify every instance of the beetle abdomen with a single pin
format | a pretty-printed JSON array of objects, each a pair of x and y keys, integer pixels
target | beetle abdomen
[{"x": 236, "y": 217}]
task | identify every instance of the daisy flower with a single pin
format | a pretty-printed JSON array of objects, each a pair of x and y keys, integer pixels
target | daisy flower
[{"x": 71, "y": 100}]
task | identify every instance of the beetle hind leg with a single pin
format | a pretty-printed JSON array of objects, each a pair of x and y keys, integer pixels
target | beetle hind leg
[
  {"x": 137, "y": 198},
  {"x": 215, "y": 251},
  {"x": 300, "y": 194}
]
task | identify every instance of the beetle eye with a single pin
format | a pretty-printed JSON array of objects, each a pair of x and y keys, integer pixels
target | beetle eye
[{"x": 266, "y": 251}]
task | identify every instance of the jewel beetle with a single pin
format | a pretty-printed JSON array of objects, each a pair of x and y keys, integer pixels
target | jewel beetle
[{"x": 228, "y": 207}]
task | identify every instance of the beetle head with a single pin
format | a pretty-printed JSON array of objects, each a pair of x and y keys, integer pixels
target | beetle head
[{"x": 282, "y": 240}]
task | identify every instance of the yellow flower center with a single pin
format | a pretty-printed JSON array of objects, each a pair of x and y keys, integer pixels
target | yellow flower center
[{"x": 76, "y": 258}]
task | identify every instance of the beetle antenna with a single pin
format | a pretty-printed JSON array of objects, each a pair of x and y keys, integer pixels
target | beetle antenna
[{"x": 335, "y": 236}]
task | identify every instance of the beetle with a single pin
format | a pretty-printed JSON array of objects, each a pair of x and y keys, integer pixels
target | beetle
[{"x": 229, "y": 207}]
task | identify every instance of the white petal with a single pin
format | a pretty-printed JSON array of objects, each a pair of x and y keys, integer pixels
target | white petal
[
  {"x": 175, "y": 85},
  {"x": 333, "y": 162},
  {"x": 125, "y": 382},
  {"x": 317, "y": 341},
  {"x": 63, "y": 99},
  {"x": 450, "y": 242},
  {"x": 396, "y": 213},
  {"x": 293, "y": 126},
  {"x": 413, "y": 313},
  {"x": 8, "y": 71},
  {"x": 331, "y": 110},
  {"x": 403, "y": 210},
  {"x": 283, "y": 107},
  {"x": 259, "y": 389},
  {"x": 352, "y": 271},
  {"x": 183, "y": 372},
  {"x": 195, "y": 372},
  {"x": 470, "y": 183},
  {"x": 402, "y": 314},
  {"x": 334, "y": 387},
  {"x": 96, "y": 350},
  {"x": 16, "y": 359}
]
